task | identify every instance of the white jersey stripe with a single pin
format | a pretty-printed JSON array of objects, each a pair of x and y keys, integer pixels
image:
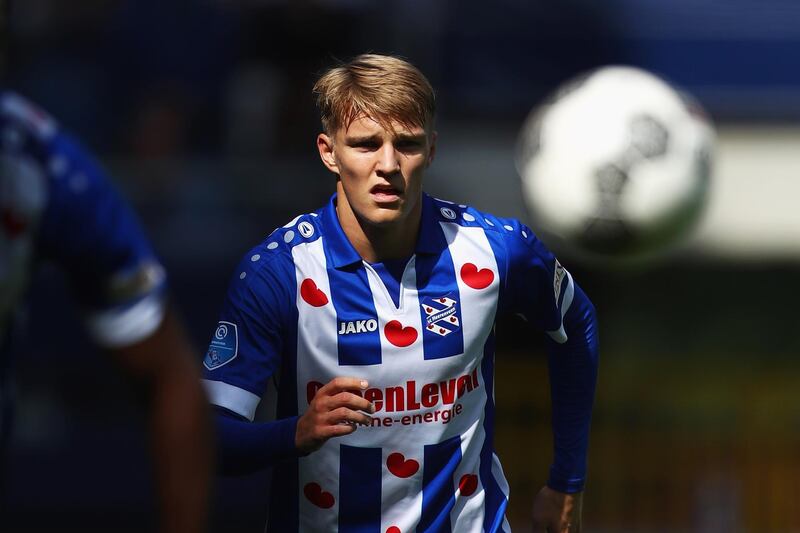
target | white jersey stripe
[
  {"x": 318, "y": 473},
  {"x": 401, "y": 504},
  {"x": 318, "y": 489},
  {"x": 478, "y": 282}
]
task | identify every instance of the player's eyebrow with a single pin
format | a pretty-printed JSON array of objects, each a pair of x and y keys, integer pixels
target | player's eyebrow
[
  {"x": 414, "y": 137},
  {"x": 420, "y": 137},
  {"x": 361, "y": 139}
]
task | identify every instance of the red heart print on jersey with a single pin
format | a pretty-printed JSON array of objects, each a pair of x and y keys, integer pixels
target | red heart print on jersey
[
  {"x": 468, "y": 484},
  {"x": 393, "y": 529},
  {"x": 311, "y": 293},
  {"x": 317, "y": 496},
  {"x": 398, "y": 335},
  {"x": 477, "y": 279},
  {"x": 400, "y": 466}
]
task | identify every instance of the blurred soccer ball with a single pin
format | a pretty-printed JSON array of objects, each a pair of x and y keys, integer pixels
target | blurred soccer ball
[{"x": 616, "y": 164}]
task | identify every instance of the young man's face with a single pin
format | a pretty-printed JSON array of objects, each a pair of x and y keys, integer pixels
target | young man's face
[{"x": 380, "y": 171}]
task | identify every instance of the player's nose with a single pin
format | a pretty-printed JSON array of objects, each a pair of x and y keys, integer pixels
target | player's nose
[{"x": 388, "y": 160}]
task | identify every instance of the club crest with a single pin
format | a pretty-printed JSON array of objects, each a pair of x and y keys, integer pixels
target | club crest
[{"x": 441, "y": 317}]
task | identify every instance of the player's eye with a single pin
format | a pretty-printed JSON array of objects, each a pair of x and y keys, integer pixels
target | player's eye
[
  {"x": 409, "y": 145},
  {"x": 366, "y": 146}
]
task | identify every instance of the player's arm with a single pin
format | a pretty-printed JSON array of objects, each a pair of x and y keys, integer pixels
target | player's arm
[
  {"x": 540, "y": 289},
  {"x": 246, "y": 350},
  {"x": 165, "y": 370},
  {"x": 572, "y": 368},
  {"x": 92, "y": 234},
  {"x": 246, "y": 447}
]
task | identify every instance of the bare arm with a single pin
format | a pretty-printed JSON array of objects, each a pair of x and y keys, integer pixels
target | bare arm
[{"x": 180, "y": 424}]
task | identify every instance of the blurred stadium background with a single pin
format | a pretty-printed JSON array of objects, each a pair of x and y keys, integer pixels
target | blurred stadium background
[{"x": 202, "y": 111}]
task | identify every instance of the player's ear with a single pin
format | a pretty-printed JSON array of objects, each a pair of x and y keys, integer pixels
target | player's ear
[
  {"x": 431, "y": 149},
  {"x": 325, "y": 147}
]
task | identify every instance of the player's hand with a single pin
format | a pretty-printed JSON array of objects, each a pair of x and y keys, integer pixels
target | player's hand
[
  {"x": 333, "y": 412},
  {"x": 557, "y": 512}
]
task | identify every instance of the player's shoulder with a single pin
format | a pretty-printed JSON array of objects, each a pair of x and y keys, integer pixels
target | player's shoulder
[
  {"x": 18, "y": 115},
  {"x": 516, "y": 240},
  {"x": 272, "y": 257},
  {"x": 302, "y": 229},
  {"x": 468, "y": 216}
]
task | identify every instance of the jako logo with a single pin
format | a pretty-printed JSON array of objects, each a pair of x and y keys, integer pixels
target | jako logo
[{"x": 357, "y": 326}]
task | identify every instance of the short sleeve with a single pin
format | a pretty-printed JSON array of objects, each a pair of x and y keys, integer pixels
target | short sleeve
[
  {"x": 86, "y": 228},
  {"x": 247, "y": 342},
  {"x": 538, "y": 287}
]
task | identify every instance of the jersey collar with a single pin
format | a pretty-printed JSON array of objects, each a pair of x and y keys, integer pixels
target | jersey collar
[{"x": 341, "y": 252}]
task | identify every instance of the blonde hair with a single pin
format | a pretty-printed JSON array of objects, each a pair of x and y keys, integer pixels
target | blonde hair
[{"x": 384, "y": 88}]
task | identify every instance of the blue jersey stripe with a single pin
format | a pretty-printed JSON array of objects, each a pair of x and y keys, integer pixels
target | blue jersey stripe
[
  {"x": 496, "y": 501},
  {"x": 438, "y": 492},
  {"x": 353, "y": 302},
  {"x": 360, "y": 473},
  {"x": 501, "y": 256},
  {"x": 442, "y": 328}
]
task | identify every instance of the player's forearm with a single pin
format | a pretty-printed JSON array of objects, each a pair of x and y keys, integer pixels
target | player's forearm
[
  {"x": 182, "y": 450},
  {"x": 245, "y": 447},
  {"x": 573, "y": 376},
  {"x": 180, "y": 424}
]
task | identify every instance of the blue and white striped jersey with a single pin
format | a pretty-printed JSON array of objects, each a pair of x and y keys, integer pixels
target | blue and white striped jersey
[{"x": 303, "y": 308}]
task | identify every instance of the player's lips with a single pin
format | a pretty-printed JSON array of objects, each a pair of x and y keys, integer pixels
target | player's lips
[{"x": 384, "y": 194}]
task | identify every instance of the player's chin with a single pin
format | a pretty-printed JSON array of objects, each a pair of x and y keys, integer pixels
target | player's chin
[
  {"x": 386, "y": 214},
  {"x": 387, "y": 223}
]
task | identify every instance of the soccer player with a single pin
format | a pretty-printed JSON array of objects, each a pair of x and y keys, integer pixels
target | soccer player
[
  {"x": 57, "y": 205},
  {"x": 374, "y": 318}
]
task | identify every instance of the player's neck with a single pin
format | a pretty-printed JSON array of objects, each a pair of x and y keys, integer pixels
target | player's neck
[{"x": 379, "y": 243}]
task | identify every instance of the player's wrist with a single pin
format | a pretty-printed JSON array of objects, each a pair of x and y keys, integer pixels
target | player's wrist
[
  {"x": 301, "y": 445},
  {"x": 565, "y": 484}
]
